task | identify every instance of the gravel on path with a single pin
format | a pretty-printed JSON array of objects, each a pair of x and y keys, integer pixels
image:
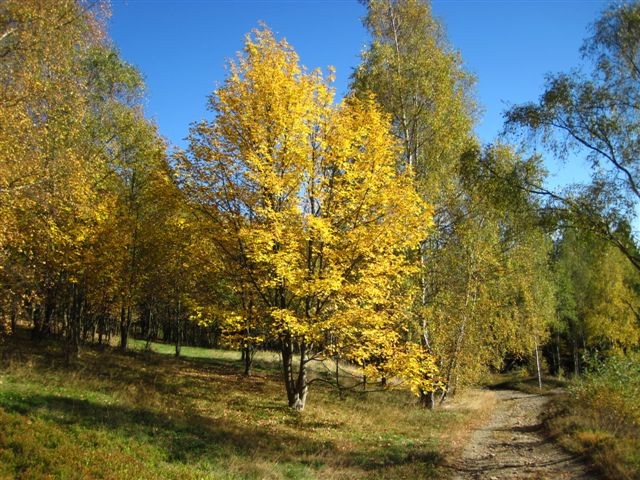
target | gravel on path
[{"x": 513, "y": 445}]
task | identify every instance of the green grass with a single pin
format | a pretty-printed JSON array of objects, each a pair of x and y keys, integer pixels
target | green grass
[
  {"x": 150, "y": 415},
  {"x": 263, "y": 360}
]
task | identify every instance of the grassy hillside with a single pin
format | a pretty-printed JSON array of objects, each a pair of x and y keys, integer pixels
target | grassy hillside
[{"x": 149, "y": 415}]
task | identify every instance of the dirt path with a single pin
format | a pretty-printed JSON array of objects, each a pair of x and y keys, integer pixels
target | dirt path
[{"x": 512, "y": 445}]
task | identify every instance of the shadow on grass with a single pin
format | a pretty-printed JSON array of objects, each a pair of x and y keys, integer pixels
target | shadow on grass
[
  {"x": 528, "y": 384},
  {"x": 193, "y": 437},
  {"x": 390, "y": 457},
  {"x": 187, "y": 438},
  {"x": 159, "y": 393}
]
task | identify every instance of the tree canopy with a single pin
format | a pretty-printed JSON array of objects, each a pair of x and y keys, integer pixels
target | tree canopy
[
  {"x": 307, "y": 207},
  {"x": 593, "y": 113}
]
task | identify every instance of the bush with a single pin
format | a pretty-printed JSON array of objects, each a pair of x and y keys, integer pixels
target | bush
[{"x": 602, "y": 416}]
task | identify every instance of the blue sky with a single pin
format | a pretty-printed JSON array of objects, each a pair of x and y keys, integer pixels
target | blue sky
[{"x": 181, "y": 47}]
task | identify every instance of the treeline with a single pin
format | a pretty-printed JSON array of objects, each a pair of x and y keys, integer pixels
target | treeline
[
  {"x": 90, "y": 234},
  {"x": 375, "y": 232}
]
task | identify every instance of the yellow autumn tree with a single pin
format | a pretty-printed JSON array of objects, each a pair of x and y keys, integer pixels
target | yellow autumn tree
[
  {"x": 80, "y": 173},
  {"x": 308, "y": 209},
  {"x": 48, "y": 167}
]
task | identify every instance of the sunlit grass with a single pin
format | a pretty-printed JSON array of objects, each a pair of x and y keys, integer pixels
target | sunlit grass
[
  {"x": 261, "y": 358},
  {"x": 151, "y": 415}
]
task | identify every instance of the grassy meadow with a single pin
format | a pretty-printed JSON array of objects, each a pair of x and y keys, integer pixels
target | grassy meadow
[{"x": 146, "y": 414}]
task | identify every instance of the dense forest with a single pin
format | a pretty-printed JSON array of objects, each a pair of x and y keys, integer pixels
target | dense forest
[{"x": 373, "y": 233}]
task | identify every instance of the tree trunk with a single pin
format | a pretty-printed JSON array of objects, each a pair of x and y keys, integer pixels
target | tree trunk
[
  {"x": 451, "y": 387},
  {"x": 5, "y": 327},
  {"x": 35, "y": 322},
  {"x": 49, "y": 309},
  {"x": 125, "y": 323},
  {"x": 248, "y": 353},
  {"x": 558, "y": 354},
  {"x": 428, "y": 400},
  {"x": 178, "y": 331},
  {"x": 147, "y": 345},
  {"x": 538, "y": 368},
  {"x": 296, "y": 385},
  {"x": 101, "y": 325},
  {"x": 72, "y": 333},
  {"x": 14, "y": 317}
]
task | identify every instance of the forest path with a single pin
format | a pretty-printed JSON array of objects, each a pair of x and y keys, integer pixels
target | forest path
[{"x": 513, "y": 445}]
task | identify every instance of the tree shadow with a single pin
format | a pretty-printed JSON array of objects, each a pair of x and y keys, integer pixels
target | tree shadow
[
  {"x": 258, "y": 427},
  {"x": 190, "y": 437},
  {"x": 193, "y": 437},
  {"x": 528, "y": 384},
  {"x": 388, "y": 458}
]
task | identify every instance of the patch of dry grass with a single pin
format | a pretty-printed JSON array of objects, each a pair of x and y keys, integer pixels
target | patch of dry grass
[
  {"x": 599, "y": 417},
  {"x": 616, "y": 457}
]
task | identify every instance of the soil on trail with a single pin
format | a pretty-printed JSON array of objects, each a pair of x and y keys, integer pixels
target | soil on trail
[{"x": 513, "y": 445}]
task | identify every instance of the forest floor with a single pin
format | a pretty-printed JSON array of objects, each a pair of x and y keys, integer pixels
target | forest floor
[{"x": 514, "y": 444}]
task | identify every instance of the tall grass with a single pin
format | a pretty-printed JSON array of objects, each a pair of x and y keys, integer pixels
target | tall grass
[{"x": 600, "y": 417}]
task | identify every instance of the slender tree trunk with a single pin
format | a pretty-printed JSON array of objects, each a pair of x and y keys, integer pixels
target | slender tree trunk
[
  {"x": 147, "y": 345},
  {"x": 538, "y": 367},
  {"x": 49, "y": 309},
  {"x": 101, "y": 325},
  {"x": 404, "y": 121},
  {"x": 558, "y": 354},
  {"x": 14, "y": 316},
  {"x": 248, "y": 353},
  {"x": 302, "y": 387},
  {"x": 35, "y": 322},
  {"x": 5, "y": 326},
  {"x": 427, "y": 399},
  {"x": 178, "y": 338},
  {"x": 94, "y": 328},
  {"x": 287, "y": 366},
  {"x": 125, "y": 324},
  {"x": 72, "y": 334}
]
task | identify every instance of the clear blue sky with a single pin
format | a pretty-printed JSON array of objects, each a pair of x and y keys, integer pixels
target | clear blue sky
[{"x": 181, "y": 46}]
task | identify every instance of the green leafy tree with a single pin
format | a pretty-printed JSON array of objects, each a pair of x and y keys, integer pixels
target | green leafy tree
[
  {"x": 597, "y": 299},
  {"x": 473, "y": 304},
  {"x": 594, "y": 114}
]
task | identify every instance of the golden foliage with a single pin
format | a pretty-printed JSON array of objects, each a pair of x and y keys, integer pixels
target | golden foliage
[{"x": 308, "y": 207}]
